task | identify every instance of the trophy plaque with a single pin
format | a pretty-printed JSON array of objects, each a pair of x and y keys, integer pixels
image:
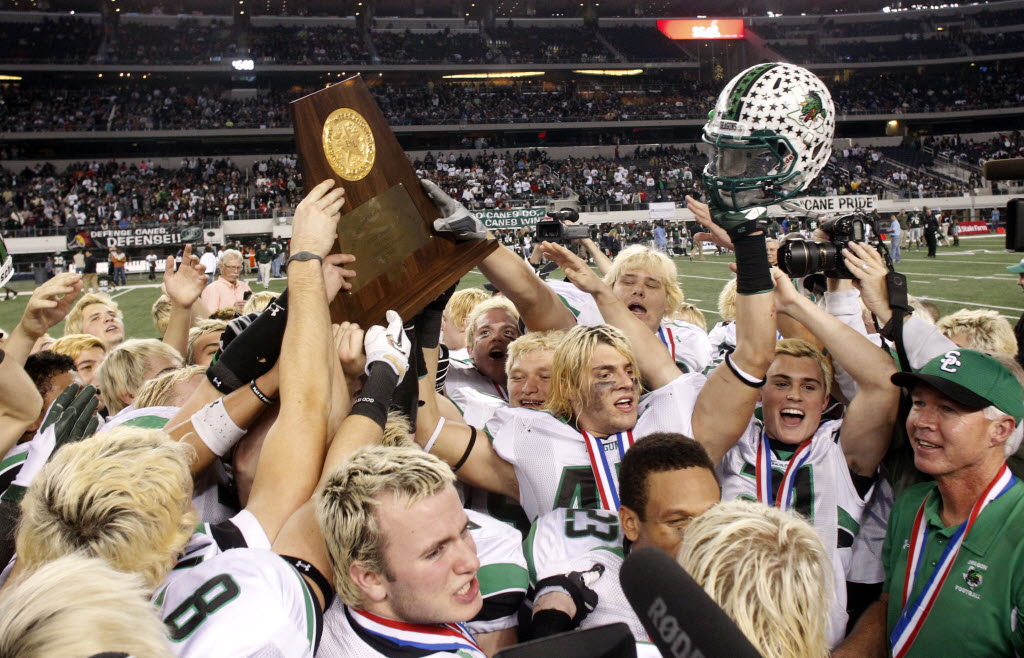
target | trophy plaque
[{"x": 387, "y": 219}]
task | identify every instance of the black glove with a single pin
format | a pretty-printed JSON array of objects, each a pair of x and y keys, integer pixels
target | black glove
[
  {"x": 249, "y": 347},
  {"x": 577, "y": 585},
  {"x": 78, "y": 420},
  {"x": 59, "y": 405}
]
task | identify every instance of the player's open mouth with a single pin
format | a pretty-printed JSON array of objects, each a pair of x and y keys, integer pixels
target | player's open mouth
[
  {"x": 468, "y": 592},
  {"x": 925, "y": 445},
  {"x": 496, "y": 354},
  {"x": 531, "y": 404},
  {"x": 791, "y": 417},
  {"x": 624, "y": 404},
  {"x": 638, "y": 309},
  {"x": 111, "y": 328}
]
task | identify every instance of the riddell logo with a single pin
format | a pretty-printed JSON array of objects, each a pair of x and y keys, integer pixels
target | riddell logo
[{"x": 676, "y": 640}]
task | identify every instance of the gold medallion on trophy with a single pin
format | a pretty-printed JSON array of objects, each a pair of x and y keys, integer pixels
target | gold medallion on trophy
[{"x": 348, "y": 144}]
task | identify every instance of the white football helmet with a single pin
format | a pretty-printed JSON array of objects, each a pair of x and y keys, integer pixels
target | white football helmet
[{"x": 771, "y": 130}]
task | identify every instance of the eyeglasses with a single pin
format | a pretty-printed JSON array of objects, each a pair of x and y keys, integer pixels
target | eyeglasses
[{"x": 231, "y": 267}]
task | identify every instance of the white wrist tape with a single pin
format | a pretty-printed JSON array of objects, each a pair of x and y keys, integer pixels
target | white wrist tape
[
  {"x": 216, "y": 429},
  {"x": 433, "y": 437}
]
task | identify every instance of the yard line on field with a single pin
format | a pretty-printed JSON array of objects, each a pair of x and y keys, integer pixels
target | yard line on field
[
  {"x": 948, "y": 279},
  {"x": 957, "y": 301}
]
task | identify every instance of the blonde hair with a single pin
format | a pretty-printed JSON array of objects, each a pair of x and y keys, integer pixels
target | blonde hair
[
  {"x": 768, "y": 570},
  {"x": 259, "y": 301},
  {"x": 159, "y": 392},
  {"x": 727, "y": 301},
  {"x": 463, "y": 302},
  {"x": 74, "y": 344},
  {"x": 984, "y": 330},
  {"x": 397, "y": 429},
  {"x": 347, "y": 507},
  {"x": 484, "y": 307},
  {"x": 122, "y": 372},
  {"x": 800, "y": 348},
  {"x": 226, "y": 313},
  {"x": 570, "y": 368},
  {"x": 79, "y": 606},
  {"x": 535, "y": 341},
  {"x": 923, "y": 310},
  {"x": 202, "y": 328},
  {"x": 690, "y": 313},
  {"x": 73, "y": 323},
  {"x": 655, "y": 262},
  {"x": 124, "y": 496},
  {"x": 161, "y": 313}
]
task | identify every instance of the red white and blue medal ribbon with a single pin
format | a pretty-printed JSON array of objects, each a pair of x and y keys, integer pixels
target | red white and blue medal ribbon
[
  {"x": 765, "y": 493},
  {"x": 604, "y": 472},
  {"x": 913, "y": 616},
  {"x": 665, "y": 334},
  {"x": 435, "y": 637}
]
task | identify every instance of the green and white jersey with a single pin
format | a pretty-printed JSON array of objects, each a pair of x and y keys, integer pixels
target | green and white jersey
[
  {"x": 211, "y": 539},
  {"x": 687, "y": 343},
  {"x": 12, "y": 463},
  {"x": 550, "y": 456},
  {"x": 561, "y": 535},
  {"x": 463, "y": 374},
  {"x": 823, "y": 492},
  {"x": 243, "y": 602}
]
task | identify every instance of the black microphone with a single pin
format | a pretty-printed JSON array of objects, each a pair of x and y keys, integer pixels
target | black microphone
[
  {"x": 1007, "y": 169},
  {"x": 676, "y": 612}
]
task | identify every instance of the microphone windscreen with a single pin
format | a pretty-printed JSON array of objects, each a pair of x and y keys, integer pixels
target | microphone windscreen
[
  {"x": 676, "y": 612},
  {"x": 1007, "y": 169}
]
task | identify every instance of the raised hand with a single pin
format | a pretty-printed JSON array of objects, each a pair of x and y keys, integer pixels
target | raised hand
[
  {"x": 50, "y": 303},
  {"x": 185, "y": 285},
  {"x": 455, "y": 218},
  {"x": 315, "y": 225}
]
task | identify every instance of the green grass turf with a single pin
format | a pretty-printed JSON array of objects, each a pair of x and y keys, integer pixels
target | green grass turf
[{"x": 970, "y": 276}]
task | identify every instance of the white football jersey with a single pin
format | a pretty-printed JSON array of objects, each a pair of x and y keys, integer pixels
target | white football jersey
[
  {"x": 463, "y": 374},
  {"x": 823, "y": 492},
  {"x": 550, "y": 456},
  {"x": 503, "y": 581},
  {"x": 243, "y": 602},
  {"x": 687, "y": 343},
  {"x": 561, "y": 535},
  {"x": 211, "y": 539}
]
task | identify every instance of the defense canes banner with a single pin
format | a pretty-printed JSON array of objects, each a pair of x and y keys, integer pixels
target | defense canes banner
[
  {"x": 515, "y": 218},
  {"x": 134, "y": 237}
]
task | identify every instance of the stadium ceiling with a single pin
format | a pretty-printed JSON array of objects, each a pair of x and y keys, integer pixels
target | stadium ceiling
[{"x": 474, "y": 8}]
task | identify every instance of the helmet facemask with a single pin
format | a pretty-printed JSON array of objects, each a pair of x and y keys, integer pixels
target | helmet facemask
[{"x": 746, "y": 172}]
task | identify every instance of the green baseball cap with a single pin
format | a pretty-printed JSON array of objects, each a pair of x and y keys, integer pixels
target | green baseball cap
[
  {"x": 1018, "y": 268},
  {"x": 973, "y": 379}
]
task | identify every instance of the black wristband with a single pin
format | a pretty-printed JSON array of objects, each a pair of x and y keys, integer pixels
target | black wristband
[
  {"x": 469, "y": 450},
  {"x": 304, "y": 256},
  {"x": 742, "y": 376},
  {"x": 753, "y": 271},
  {"x": 260, "y": 395},
  {"x": 375, "y": 398},
  {"x": 550, "y": 622}
]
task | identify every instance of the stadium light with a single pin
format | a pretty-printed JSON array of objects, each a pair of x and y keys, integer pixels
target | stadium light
[
  {"x": 10, "y": 78},
  {"x": 243, "y": 65},
  {"x": 488, "y": 76},
  {"x": 611, "y": 72}
]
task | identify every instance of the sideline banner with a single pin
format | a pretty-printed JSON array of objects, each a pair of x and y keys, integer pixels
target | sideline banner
[
  {"x": 156, "y": 236},
  {"x": 973, "y": 228},
  {"x": 514, "y": 218},
  {"x": 834, "y": 204}
]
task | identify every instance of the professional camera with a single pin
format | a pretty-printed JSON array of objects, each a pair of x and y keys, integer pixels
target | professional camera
[
  {"x": 551, "y": 229},
  {"x": 799, "y": 258}
]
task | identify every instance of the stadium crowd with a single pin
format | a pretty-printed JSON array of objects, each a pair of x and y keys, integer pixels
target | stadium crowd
[{"x": 837, "y": 469}]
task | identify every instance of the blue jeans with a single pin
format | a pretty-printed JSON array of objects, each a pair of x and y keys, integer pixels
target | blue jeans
[{"x": 894, "y": 248}]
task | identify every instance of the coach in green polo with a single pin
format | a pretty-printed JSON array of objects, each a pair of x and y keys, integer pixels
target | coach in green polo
[{"x": 963, "y": 534}]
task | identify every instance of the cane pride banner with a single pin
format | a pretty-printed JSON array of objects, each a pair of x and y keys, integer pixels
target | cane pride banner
[
  {"x": 846, "y": 203},
  {"x": 134, "y": 237},
  {"x": 515, "y": 218}
]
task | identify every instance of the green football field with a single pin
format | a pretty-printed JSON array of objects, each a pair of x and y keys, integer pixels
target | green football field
[{"x": 970, "y": 276}]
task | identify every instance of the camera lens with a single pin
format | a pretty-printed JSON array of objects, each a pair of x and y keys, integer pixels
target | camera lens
[{"x": 800, "y": 258}]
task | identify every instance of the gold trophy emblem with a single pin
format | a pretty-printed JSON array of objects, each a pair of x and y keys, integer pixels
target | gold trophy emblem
[{"x": 348, "y": 144}]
